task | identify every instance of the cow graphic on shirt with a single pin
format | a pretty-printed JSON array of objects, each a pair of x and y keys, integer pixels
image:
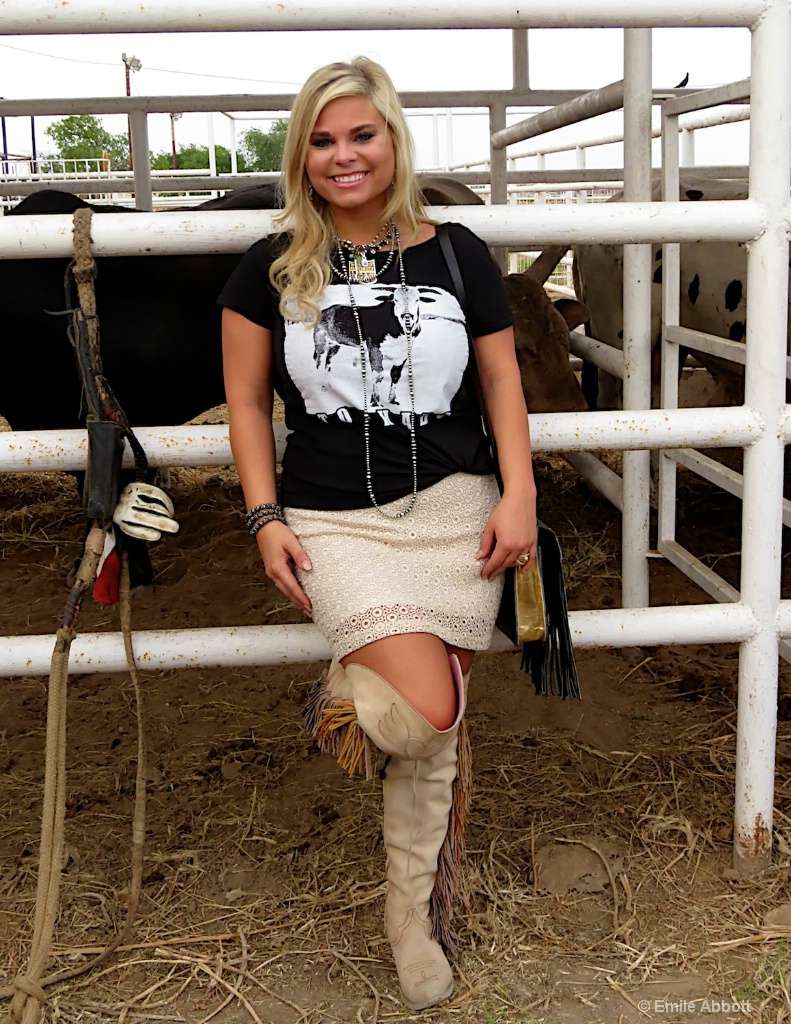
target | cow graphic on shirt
[{"x": 325, "y": 362}]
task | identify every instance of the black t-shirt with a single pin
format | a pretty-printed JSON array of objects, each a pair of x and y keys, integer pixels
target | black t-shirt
[{"x": 318, "y": 374}]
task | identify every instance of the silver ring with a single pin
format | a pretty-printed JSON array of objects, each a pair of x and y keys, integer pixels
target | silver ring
[{"x": 522, "y": 560}]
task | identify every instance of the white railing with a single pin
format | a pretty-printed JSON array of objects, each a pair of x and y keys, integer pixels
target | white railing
[
  {"x": 687, "y": 126},
  {"x": 759, "y": 619}
]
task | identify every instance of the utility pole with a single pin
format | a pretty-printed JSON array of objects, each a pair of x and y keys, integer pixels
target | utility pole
[
  {"x": 4, "y": 159},
  {"x": 34, "y": 154},
  {"x": 173, "y": 119},
  {"x": 130, "y": 64}
]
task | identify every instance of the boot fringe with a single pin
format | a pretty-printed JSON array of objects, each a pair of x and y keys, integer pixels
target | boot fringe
[
  {"x": 332, "y": 722},
  {"x": 450, "y": 865}
]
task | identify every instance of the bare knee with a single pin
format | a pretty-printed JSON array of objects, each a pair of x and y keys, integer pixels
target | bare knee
[{"x": 417, "y": 666}]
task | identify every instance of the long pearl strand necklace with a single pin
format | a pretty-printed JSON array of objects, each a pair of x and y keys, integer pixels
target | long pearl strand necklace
[{"x": 410, "y": 380}]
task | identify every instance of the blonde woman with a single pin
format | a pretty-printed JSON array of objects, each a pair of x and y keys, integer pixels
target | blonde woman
[{"x": 389, "y": 530}]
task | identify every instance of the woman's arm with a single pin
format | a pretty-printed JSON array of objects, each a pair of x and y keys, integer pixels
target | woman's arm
[
  {"x": 512, "y": 528},
  {"x": 247, "y": 369}
]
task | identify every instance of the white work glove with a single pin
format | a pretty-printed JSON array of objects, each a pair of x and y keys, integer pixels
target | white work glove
[{"x": 145, "y": 512}]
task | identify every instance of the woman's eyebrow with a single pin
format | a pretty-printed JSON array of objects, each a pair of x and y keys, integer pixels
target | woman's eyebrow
[{"x": 358, "y": 128}]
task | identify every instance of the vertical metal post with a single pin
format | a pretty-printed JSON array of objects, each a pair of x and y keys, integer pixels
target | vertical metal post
[
  {"x": 448, "y": 137},
  {"x": 541, "y": 164},
  {"x": 521, "y": 60},
  {"x": 688, "y": 147},
  {"x": 435, "y": 139},
  {"x": 232, "y": 144},
  {"x": 580, "y": 159},
  {"x": 671, "y": 306},
  {"x": 212, "y": 153},
  {"x": 636, "y": 315},
  {"x": 33, "y": 147},
  {"x": 138, "y": 127},
  {"x": 498, "y": 166},
  {"x": 174, "y": 160},
  {"x": 5, "y": 166},
  {"x": 129, "y": 119},
  {"x": 767, "y": 286}
]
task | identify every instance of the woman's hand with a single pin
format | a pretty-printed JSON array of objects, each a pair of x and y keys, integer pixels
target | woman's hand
[
  {"x": 511, "y": 531},
  {"x": 281, "y": 550}
]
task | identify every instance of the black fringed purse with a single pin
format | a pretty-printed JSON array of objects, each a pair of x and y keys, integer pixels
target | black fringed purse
[{"x": 534, "y": 611}]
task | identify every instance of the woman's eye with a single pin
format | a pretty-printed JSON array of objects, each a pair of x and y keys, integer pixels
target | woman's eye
[
  {"x": 320, "y": 143},
  {"x": 365, "y": 136}
]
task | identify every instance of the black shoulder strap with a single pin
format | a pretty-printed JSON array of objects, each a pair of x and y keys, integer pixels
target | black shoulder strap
[
  {"x": 445, "y": 244},
  {"x": 443, "y": 234}
]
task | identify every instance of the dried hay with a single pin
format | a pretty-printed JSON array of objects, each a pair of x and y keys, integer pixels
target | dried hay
[{"x": 242, "y": 912}]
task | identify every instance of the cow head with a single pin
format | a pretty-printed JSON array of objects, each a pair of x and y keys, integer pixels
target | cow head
[{"x": 541, "y": 332}]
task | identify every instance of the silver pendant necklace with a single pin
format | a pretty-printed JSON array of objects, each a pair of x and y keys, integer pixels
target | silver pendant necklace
[
  {"x": 360, "y": 263},
  {"x": 410, "y": 381}
]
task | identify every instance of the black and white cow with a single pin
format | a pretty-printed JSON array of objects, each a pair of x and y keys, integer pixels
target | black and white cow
[{"x": 713, "y": 290}]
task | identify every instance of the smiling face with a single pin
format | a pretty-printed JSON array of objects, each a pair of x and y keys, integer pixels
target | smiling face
[{"x": 351, "y": 161}]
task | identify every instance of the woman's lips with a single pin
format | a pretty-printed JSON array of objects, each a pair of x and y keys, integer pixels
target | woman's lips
[{"x": 349, "y": 180}]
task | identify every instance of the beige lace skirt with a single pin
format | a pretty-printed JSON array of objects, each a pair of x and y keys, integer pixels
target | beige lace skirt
[{"x": 374, "y": 577}]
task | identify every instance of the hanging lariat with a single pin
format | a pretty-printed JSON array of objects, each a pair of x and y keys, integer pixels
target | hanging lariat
[{"x": 408, "y": 319}]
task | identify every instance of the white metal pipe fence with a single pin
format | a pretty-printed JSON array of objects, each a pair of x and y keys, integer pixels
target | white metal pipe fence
[
  {"x": 52, "y": 17},
  {"x": 49, "y": 450},
  {"x": 636, "y": 316},
  {"x": 590, "y": 104},
  {"x": 759, "y": 620},
  {"x": 281, "y": 645},
  {"x": 234, "y": 230}
]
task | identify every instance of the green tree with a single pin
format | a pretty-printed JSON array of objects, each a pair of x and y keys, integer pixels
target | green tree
[
  {"x": 83, "y": 136},
  {"x": 192, "y": 156},
  {"x": 263, "y": 151}
]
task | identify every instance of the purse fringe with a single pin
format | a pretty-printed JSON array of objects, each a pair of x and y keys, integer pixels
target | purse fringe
[
  {"x": 551, "y": 661},
  {"x": 450, "y": 863},
  {"x": 332, "y": 722}
]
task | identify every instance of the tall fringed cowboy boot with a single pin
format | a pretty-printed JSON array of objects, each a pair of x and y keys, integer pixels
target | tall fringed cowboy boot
[
  {"x": 331, "y": 719},
  {"x": 419, "y": 796}
]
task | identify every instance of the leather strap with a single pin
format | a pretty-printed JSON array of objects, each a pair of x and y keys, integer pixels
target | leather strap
[{"x": 449, "y": 253}]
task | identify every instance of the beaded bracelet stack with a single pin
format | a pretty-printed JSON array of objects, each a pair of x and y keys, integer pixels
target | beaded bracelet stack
[{"x": 268, "y": 512}]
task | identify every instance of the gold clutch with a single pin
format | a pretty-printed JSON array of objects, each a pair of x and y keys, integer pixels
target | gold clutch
[{"x": 529, "y": 601}]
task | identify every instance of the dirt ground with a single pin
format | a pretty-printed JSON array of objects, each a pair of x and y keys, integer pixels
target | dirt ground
[{"x": 599, "y": 882}]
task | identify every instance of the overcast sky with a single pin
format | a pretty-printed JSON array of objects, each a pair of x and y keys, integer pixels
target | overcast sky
[{"x": 268, "y": 62}]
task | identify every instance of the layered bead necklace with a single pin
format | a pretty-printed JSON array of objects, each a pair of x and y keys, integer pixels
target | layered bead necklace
[
  {"x": 390, "y": 233},
  {"x": 360, "y": 262}
]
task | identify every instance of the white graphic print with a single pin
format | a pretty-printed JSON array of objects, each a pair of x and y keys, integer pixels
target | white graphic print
[{"x": 324, "y": 361}]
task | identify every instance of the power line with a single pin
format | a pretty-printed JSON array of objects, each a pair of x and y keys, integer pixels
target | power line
[{"x": 164, "y": 71}]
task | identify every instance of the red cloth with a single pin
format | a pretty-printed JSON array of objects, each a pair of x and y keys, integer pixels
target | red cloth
[{"x": 107, "y": 584}]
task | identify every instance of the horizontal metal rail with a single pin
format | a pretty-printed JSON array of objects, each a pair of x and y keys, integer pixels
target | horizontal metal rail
[
  {"x": 709, "y": 581},
  {"x": 706, "y": 98},
  {"x": 53, "y": 17},
  {"x": 581, "y": 108},
  {"x": 585, "y": 176},
  {"x": 721, "y": 476},
  {"x": 24, "y": 451},
  {"x": 690, "y": 123},
  {"x": 606, "y": 357},
  {"x": 713, "y": 345},
  {"x": 234, "y": 646},
  {"x": 278, "y": 103},
  {"x": 171, "y": 232},
  {"x": 605, "y": 480}
]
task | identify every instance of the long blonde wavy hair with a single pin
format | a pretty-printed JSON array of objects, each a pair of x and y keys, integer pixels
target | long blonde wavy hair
[{"x": 302, "y": 271}]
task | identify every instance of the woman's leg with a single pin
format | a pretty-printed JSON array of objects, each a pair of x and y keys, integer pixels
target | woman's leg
[
  {"x": 417, "y": 665},
  {"x": 409, "y": 695}
]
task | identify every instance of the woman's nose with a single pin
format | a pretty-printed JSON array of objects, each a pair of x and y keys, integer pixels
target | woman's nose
[{"x": 344, "y": 151}]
